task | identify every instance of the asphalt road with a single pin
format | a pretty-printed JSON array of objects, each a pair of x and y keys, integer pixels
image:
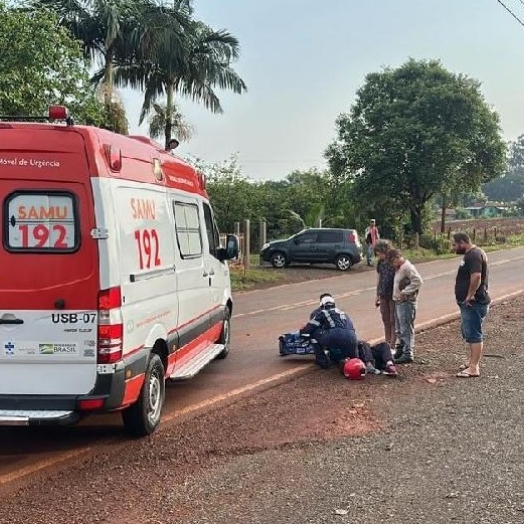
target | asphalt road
[{"x": 259, "y": 317}]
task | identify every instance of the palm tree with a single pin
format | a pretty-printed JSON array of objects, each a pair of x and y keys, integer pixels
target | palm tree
[
  {"x": 157, "y": 123},
  {"x": 201, "y": 62},
  {"x": 114, "y": 28}
]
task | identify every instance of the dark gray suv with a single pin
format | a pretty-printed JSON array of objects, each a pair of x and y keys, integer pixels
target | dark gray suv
[{"x": 325, "y": 245}]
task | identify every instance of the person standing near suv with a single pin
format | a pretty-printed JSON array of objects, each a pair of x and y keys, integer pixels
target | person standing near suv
[
  {"x": 371, "y": 237},
  {"x": 471, "y": 293},
  {"x": 406, "y": 286}
]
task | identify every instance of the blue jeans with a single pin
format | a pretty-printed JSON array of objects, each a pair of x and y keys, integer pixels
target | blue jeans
[
  {"x": 472, "y": 317},
  {"x": 369, "y": 253},
  {"x": 405, "y": 313}
]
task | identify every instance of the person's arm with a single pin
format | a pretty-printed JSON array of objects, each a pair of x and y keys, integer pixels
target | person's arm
[
  {"x": 313, "y": 314},
  {"x": 377, "y": 298},
  {"x": 474, "y": 283},
  {"x": 311, "y": 325},
  {"x": 415, "y": 281},
  {"x": 475, "y": 275}
]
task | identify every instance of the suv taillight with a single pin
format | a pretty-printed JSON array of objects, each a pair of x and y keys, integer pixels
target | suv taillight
[{"x": 110, "y": 326}]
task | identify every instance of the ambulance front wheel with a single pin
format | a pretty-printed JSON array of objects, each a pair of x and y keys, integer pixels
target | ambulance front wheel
[
  {"x": 225, "y": 337},
  {"x": 142, "y": 418}
]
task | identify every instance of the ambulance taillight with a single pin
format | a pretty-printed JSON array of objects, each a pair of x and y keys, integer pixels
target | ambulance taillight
[{"x": 110, "y": 327}]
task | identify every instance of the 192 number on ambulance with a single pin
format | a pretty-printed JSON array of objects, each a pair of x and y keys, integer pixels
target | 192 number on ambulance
[{"x": 148, "y": 248}]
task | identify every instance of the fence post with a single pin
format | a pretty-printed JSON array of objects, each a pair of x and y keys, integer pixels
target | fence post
[
  {"x": 247, "y": 239},
  {"x": 263, "y": 233},
  {"x": 474, "y": 234},
  {"x": 236, "y": 228}
]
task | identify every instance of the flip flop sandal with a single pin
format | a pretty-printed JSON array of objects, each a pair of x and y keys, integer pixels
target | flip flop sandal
[
  {"x": 467, "y": 374},
  {"x": 462, "y": 367}
]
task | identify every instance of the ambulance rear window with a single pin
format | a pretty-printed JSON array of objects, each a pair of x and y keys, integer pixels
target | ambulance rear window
[{"x": 41, "y": 222}]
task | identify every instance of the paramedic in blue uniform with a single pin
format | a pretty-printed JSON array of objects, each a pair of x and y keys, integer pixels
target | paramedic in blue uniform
[
  {"x": 331, "y": 331},
  {"x": 319, "y": 308}
]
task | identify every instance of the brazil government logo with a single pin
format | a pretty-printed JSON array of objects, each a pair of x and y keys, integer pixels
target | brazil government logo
[{"x": 46, "y": 349}]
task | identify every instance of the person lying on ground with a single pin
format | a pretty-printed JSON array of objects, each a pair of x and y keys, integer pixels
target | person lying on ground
[{"x": 377, "y": 358}]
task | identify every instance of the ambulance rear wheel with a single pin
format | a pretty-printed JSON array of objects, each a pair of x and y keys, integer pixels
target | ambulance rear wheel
[
  {"x": 225, "y": 337},
  {"x": 142, "y": 418}
]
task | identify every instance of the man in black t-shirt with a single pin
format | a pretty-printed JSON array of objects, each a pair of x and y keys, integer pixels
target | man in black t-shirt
[{"x": 471, "y": 293}]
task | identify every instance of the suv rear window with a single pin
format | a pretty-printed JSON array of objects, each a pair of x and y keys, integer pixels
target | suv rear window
[
  {"x": 330, "y": 237},
  {"x": 38, "y": 221}
]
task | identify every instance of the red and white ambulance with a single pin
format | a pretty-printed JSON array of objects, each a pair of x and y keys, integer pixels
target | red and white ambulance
[{"x": 112, "y": 276}]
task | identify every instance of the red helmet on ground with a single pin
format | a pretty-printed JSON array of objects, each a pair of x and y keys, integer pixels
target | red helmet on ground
[{"x": 354, "y": 369}]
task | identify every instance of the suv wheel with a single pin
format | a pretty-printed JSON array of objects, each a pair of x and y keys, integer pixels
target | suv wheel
[
  {"x": 278, "y": 260},
  {"x": 344, "y": 262}
]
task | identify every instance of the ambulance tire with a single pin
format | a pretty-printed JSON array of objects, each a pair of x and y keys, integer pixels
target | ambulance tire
[
  {"x": 225, "y": 336},
  {"x": 142, "y": 417}
]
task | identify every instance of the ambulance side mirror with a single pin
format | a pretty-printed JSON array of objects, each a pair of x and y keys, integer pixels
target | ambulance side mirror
[{"x": 231, "y": 250}]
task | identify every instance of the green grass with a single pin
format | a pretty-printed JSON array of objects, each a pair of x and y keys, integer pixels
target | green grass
[
  {"x": 242, "y": 279},
  {"x": 424, "y": 255}
]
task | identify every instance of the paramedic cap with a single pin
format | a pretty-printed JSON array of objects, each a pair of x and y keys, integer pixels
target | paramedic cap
[{"x": 324, "y": 301}]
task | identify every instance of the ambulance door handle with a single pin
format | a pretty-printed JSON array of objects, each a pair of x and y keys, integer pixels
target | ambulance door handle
[
  {"x": 16, "y": 321},
  {"x": 212, "y": 272},
  {"x": 206, "y": 274}
]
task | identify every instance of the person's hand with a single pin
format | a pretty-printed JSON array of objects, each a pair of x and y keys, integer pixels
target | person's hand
[
  {"x": 468, "y": 301},
  {"x": 403, "y": 297}
]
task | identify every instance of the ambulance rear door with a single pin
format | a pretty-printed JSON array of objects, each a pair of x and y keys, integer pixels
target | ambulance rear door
[{"x": 48, "y": 265}]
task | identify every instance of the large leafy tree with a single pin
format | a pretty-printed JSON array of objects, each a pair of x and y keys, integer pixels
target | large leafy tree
[
  {"x": 510, "y": 186},
  {"x": 413, "y": 133},
  {"x": 300, "y": 200},
  {"x": 233, "y": 195},
  {"x": 41, "y": 65}
]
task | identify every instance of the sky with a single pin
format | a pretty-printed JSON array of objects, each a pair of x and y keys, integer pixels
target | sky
[{"x": 303, "y": 61}]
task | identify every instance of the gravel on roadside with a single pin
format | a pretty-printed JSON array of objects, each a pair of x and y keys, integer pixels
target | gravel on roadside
[{"x": 426, "y": 447}]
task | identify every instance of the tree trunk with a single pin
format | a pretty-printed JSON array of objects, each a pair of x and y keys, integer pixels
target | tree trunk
[
  {"x": 108, "y": 78},
  {"x": 169, "y": 114},
  {"x": 416, "y": 220},
  {"x": 443, "y": 214}
]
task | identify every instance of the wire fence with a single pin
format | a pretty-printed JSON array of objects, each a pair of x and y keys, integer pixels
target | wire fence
[{"x": 487, "y": 231}]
